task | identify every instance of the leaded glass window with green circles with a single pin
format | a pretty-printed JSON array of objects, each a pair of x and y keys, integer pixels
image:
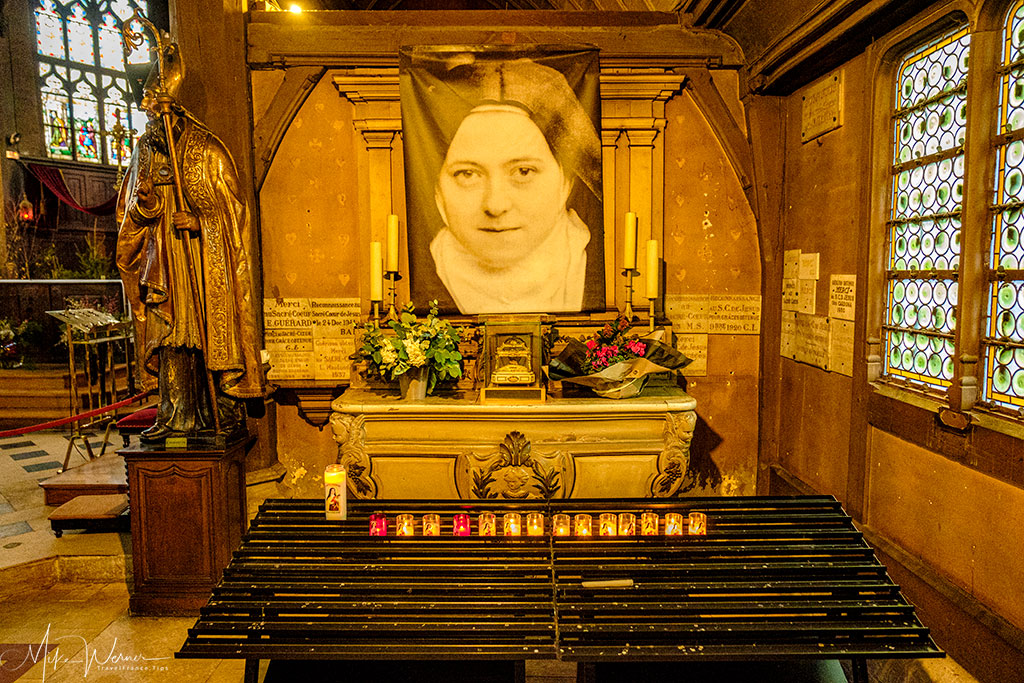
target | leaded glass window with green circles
[
  {"x": 929, "y": 127},
  {"x": 1004, "y": 335}
]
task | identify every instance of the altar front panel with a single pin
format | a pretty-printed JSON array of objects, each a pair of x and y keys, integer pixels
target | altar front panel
[{"x": 446, "y": 448}]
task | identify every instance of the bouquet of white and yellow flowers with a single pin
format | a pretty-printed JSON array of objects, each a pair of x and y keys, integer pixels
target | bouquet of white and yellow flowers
[{"x": 408, "y": 343}]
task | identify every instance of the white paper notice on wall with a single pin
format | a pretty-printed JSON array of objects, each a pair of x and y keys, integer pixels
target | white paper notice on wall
[
  {"x": 791, "y": 264},
  {"x": 812, "y": 340},
  {"x": 807, "y": 294},
  {"x": 809, "y": 266},
  {"x": 790, "y": 294},
  {"x": 695, "y": 347},
  {"x": 840, "y": 347},
  {"x": 787, "y": 347},
  {"x": 842, "y": 296},
  {"x": 734, "y": 314},
  {"x": 688, "y": 312}
]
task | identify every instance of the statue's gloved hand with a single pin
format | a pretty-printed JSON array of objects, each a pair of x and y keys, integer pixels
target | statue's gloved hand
[
  {"x": 183, "y": 220},
  {"x": 145, "y": 195}
]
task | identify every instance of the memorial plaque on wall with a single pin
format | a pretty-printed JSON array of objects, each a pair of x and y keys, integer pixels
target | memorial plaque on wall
[{"x": 310, "y": 338}]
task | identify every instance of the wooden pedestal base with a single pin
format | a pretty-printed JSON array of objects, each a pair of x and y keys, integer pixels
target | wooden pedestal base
[{"x": 188, "y": 515}]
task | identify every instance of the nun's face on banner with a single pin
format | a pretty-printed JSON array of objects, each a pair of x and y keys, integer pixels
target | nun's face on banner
[{"x": 500, "y": 191}]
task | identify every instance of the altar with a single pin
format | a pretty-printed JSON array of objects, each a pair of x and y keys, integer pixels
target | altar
[{"x": 457, "y": 448}]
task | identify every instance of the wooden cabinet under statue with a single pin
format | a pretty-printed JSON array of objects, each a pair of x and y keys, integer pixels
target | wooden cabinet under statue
[{"x": 454, "y": 448}]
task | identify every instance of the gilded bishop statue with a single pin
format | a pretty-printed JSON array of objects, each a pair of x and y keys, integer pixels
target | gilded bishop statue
[{"x": 183, "y": 254}]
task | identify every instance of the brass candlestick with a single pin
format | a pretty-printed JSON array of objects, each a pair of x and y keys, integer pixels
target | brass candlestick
[
  {"x": 392, "y": 276},
  {"x": 651, "y": 303},
  {"x": 629, "y": 273}
]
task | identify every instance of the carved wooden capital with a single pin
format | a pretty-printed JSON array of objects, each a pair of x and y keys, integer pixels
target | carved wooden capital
[
  {"x": 350, "y": 434},
  {"x": 674, "y": 461}
]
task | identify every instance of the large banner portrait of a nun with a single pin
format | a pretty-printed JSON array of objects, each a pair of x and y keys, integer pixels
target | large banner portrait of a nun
[{"x": 503, "y": 178}]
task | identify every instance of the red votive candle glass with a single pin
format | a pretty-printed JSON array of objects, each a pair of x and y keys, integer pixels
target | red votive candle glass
[
  {"x": 460, "y": 524},
  {"x": 378, "y": 524}
]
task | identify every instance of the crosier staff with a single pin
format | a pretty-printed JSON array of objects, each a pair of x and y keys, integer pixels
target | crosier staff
[{"x": 164, "y": 103}]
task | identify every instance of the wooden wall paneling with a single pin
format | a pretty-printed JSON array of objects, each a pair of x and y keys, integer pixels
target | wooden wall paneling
[
  {"x": 270, "y": 128},
  {"x": 355, "y": 38},
  {"x": 767, "y": 124}
]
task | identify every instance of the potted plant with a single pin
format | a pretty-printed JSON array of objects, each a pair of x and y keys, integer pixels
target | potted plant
[{"x": 418, "y": 352}]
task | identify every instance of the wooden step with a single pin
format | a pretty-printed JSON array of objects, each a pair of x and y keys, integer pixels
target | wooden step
[{"x": 103, "y": 476}]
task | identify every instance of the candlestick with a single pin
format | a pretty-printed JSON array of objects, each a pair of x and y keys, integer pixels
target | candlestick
[
  {"x": 335, "y": 493},
  {"x": 653, "y": 261},
  {"x": 392, "y": 262},
  {"x": 392, "y": 278},
  {"x": 629, "y": 242},
  {"x": 376, "y": 273}
]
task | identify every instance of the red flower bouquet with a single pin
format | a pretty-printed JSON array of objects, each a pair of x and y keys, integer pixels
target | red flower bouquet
[{"x": 613, "y": 363}]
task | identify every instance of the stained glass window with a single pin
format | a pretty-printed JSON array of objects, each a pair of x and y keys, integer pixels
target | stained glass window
[
  {"x": 83, "y": 87},
  {"x": 929, "y": 127},
  {"x": 1004, "y": 335}
]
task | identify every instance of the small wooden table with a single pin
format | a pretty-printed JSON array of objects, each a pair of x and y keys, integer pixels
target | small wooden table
[{"x": 775, "y": 578}]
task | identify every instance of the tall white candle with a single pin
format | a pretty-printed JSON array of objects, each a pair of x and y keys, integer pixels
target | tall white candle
[
  {"x": 629, "y": 242},
  {"x": 652, "y": 269},
  {"x": 335, "y": 492},
  {"x": 392, "y": 262},
  {"x": 376, "y": 276}
]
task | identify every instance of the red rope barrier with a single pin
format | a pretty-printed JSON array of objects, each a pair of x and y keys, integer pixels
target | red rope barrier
[{"x": 73, "y": 418}]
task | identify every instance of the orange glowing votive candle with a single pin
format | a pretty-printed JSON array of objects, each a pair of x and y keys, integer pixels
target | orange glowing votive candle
[
  {"x": 378, "y": 524},
  {"x": 460, "y": 524},
  {"x": 673, "y": 524},
  {"x": 405, "y": 525},
  {"x": 535, "y": 524},
  {"x": 431, "y": 524},
  {"x": 512, "y": 524},
  {"x": 560, "y": 525},
  {"x": 649, "y": 524},
  {"x": 698, "y": 524},
  {"x": 609, "y": 524},
  {"x": 627, "y": 524},
  {"x": 486, "y": 524},
  {"x": 583, "y": 524}
]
